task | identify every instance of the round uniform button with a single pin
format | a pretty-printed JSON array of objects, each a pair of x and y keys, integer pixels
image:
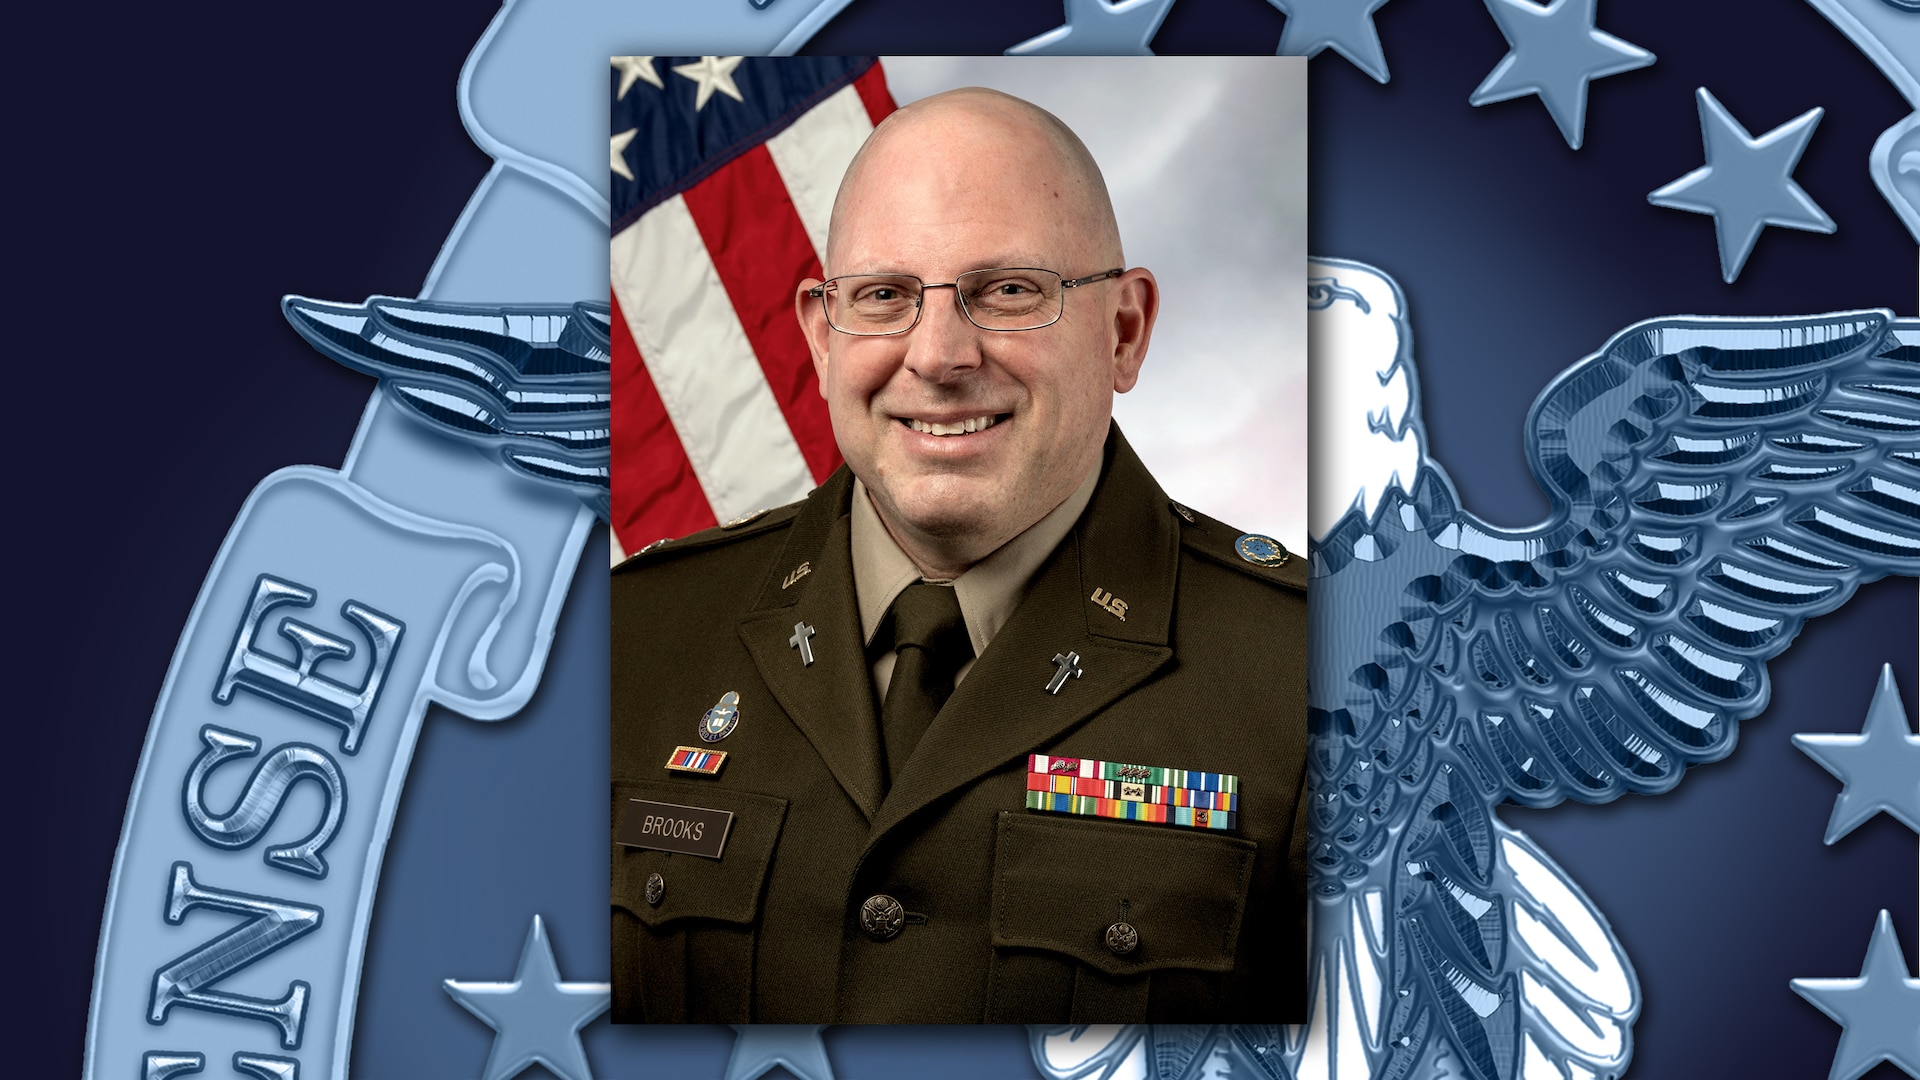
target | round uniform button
[
  {"x": 881, "y": 916},
  {"x": 656, "y": 888},
  {"x": 1122, "y": 938}
]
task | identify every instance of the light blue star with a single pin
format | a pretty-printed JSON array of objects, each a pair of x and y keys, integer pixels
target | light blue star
[
  {"x": 1098, "y": 28},
  {"x": 538, "y": 1018},
  {"x": 1880, "y": 766},
  {"x": 794, "y": 1047},
  {"x": 1879, "y": 1011},
  {"x": 1553, "y": 53},
  {"x": 1347, "y": 25},
  {"x": 1747, "y": 183}
]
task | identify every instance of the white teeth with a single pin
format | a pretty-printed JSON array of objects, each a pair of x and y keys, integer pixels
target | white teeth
[{"x": 963, "y": 427}]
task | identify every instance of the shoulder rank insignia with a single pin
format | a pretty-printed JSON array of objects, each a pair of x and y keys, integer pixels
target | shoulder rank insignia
[
  {"x": 693, "y": 760},
  {"x": 717, "y": 723},
  {"x": 1262, "y": 550},
  {"x": 744, "y": 519},
  {"x": 1065, "y": 785}
]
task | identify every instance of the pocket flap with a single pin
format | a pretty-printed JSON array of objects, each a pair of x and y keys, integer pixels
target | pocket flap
[
  {"x": 726, "y": 889},
  {"x": 1059, "y": 884}
]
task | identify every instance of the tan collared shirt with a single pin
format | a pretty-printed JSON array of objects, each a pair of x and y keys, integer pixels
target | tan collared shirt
[{"x": 988, "y": 591}]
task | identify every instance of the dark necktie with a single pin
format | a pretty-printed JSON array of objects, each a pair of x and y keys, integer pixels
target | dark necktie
[{"x": 930, "y": 643}]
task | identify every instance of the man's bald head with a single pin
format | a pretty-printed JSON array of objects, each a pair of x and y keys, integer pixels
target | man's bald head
[
  {"x": 975, "y": 137},
  {"x": 965, "y": 435}
]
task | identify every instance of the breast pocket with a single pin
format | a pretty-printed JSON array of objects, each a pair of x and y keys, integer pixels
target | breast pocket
[
  {"x": 1126, "y": 922},
  {"x": 684, "y": 923}
]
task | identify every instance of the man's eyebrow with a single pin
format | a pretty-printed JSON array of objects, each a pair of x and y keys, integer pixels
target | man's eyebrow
[{"x": 1027, "y": 260}]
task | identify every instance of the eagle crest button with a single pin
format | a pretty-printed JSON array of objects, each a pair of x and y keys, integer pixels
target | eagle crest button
[
  {"x": 656, "y": 888},
  {"x": 1122, "y": 938},
  {"x": 1260, "y": 550},
  {"x": 717, "y": 723},
  {"x": 881, "y": 916}
]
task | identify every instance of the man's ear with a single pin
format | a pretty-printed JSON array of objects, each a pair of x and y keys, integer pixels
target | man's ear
[
  {"x": 1138, "y": 296},
  {"x": 812, "y": 314}
]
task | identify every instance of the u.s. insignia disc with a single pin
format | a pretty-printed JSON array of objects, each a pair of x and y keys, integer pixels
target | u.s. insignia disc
[
  {"x": 717, "y": 723},
  {"x": 1263, "y": 550}
]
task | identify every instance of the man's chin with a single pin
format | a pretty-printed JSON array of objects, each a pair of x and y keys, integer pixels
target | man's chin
[
  {"x": 953, "y": 509},
  {"x": 949, "y": 520}
]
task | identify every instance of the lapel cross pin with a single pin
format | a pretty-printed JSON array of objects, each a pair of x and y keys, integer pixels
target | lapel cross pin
[
  {"x": 1065, "y": 666},
  {"x": 802, "y": 639}
]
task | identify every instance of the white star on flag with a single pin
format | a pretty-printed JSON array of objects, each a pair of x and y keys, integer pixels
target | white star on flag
[
  {"x": 620, "y": 142},
  {"x": 711, "y": 73},
  {"x": 636, "y": 69}
]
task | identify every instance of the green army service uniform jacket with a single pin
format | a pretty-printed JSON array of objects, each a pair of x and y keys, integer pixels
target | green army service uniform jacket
[{"x": 1007, "y": 909}]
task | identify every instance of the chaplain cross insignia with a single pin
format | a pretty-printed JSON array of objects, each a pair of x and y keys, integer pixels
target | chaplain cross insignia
[
  {"x": 802, "y": 639},
  {"x": 1065, "y": 665}
]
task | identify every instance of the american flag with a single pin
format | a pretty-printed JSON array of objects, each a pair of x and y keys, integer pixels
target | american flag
[{"x": 724, "y": 174}]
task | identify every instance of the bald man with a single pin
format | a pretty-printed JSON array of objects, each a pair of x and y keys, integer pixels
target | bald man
[{"x": 987, "y": 728}]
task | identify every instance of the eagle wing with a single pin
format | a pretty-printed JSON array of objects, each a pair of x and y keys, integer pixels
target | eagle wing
[
  {"x": 528, "y": 383},
  {"x": 1715, "y": 482}
]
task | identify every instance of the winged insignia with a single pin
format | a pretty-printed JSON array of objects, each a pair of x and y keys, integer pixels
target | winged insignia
[{"x": 529, "y": 383}]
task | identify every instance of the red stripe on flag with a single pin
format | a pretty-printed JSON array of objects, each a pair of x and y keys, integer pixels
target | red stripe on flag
[
  {"x": 872, "y": 87},
  {"x": 655, "y": 492},
  {"x": 761, "y": 250}
]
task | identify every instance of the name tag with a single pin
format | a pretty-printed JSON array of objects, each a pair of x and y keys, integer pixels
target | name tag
[{"x": 688, "y": 830}]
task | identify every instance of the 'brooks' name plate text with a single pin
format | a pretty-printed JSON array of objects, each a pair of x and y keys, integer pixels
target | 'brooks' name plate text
[{"x": 689, "y": 830}]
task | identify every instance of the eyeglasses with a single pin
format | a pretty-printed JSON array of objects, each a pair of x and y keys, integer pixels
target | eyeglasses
[{"x": 1003, "y": 298}]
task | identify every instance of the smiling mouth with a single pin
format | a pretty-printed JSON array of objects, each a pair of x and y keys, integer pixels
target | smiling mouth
[{"x": 966, "y": 426}]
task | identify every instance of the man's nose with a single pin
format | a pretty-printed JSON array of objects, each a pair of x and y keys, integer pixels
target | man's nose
[{"x": 943, "y": 344}]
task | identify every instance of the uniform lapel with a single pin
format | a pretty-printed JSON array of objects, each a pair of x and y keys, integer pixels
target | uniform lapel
[
  {"x": 1126, "y": 544},
  {"x": 831, "y": 700}
]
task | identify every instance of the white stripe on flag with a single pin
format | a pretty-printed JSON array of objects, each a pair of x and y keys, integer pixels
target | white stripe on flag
[
  {"x": 709, "y": 380},
  {"x": 813, "y": 154}
]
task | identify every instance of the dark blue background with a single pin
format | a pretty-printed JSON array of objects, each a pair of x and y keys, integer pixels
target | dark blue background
[{"x": 182, "y": 172}]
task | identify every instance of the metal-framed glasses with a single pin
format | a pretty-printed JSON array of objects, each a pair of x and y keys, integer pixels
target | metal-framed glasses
[{"x": 1002, "y": 298}]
